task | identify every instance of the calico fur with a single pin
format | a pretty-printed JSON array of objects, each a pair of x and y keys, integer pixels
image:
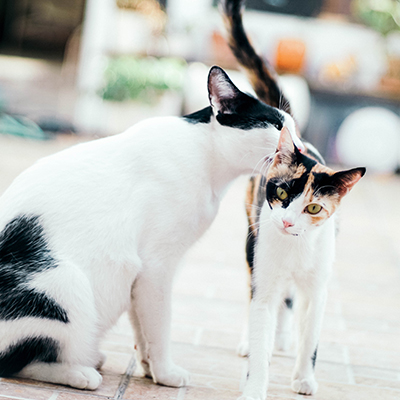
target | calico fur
[
  {"x": 99, "y": 228},
  {"x": 304, "y": 255},
  {"x": 295, "y": 249}
]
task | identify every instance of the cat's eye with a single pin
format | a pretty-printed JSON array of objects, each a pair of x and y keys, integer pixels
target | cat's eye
[
  {"x": 277, "y": 125},
  {"x": 281, "y": 193},
  {"x": 313, "y": 208}
]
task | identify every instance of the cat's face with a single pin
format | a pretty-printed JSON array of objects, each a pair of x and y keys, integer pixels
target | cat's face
[{"x": 301, "y": 192}]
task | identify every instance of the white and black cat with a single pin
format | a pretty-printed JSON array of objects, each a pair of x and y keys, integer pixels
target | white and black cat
[
  {"x": 293, "y": 234},
  {"x": 99, "y": 228}
]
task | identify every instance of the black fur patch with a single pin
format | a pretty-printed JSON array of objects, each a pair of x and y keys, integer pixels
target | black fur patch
[
  {"x": 314, "y": 357},
  {"x": 246, "y": 113},
  {"x": 249, "y": 113},
  {"x": 21, "y": 354},
  {"x": 293, "y": 187},
  {"x": 23, "y": 254},
  {"x": 251, "y": 243},
  {"x": 200, "y": 117},
  {"x": 289, "y": 303}
]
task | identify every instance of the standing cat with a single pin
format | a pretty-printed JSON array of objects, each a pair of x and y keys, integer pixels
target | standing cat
[
  {"x": 288, "y": 239},
  {"x": 99, "y": 228},
  {"x": 295, "y": 245},
  {"x": 263, "y": 78}
]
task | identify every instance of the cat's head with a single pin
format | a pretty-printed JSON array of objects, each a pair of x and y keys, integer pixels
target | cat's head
[
  {"x": 301, "y": 192},
  {"x": 255, "y": 124}
]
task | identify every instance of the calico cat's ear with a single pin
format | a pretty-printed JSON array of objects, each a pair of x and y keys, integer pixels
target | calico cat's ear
[
  {"x": 345, "y": 180},
  {"x": 285, "y": 149},
  {"x": 221, "y": 91}
]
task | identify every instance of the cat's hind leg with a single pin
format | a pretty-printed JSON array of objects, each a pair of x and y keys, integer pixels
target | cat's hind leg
[
  {"x": 284, "y": 329},
  {"x": 140, "y": 341},
  {"x": 57, "y": 342}
]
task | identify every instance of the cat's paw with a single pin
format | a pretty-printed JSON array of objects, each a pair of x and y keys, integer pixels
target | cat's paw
[
  {"x": 283, "y": 341},
  {"x": 249, "y": 398},
  {"x": 243, "y": 349},
  {"x": 84, "y": 378},
  {"x": 173, "y": 376},
  {"x": 308, "y": 386}
]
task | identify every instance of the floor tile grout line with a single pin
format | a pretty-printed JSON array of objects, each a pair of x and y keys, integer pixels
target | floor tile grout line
[
  {"x": 126, "y": 379},
  {"x": 54, "y": 395},
  {"x": 181, "y": 393}
]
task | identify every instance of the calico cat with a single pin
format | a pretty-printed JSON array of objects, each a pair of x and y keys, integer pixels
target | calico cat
[
  {"x": 291, "y": 234},
  {"x": 99, "y": 228},
  {"x": 295, "y": 247},
  {"x": 264, "y": 80}
]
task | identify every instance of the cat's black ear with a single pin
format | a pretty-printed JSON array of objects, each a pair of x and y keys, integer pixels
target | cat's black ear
[
  {"x": 221, "y": 91},
  {"x": 345, "y": 180}
]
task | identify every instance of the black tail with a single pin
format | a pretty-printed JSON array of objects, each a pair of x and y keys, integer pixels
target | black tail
[{"x": 260, "y": 73}]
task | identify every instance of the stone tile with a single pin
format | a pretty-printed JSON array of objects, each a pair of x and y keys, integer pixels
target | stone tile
[
  {"x": 370, "y": 357},
  {"x": 79, "y": 396},
  {"x": 108, "y": 387},
  {"x": 340, "y": 391},
  {"x": 116, "y": 363},
  {"x": 380, "y": 341},
  {"x": 215, "y": 382},
  {"x": 145, "y": 389},
  {"x": 23, "y": 390},
  {"x": 222, "y": 339},
  {"x": 211, "y": 361},
  {"x": 201, "y": 393},
  {"x": 388, "y": 384}
]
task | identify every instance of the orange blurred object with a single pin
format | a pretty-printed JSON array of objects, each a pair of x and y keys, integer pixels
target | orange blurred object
[{"x": 290, "y": 55}]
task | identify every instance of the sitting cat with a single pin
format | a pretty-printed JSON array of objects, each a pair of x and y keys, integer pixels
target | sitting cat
[
  {"x": 99, "y": 228},
  {"x": 295, "y": 245}
]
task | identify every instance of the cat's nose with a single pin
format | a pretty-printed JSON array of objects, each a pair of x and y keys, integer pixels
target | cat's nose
[{"x": 287, "y": 224}]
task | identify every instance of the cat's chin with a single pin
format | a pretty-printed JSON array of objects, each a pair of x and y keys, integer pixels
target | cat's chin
[{"x": 284, "y": 232}]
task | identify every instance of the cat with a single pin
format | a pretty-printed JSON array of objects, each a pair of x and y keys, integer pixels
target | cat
[
  {"x": 264, "y": 81},
  {"x": 295, "y": 245},
  {"x": 283, "y": 233},
  {"x": 99, "y": 228}
]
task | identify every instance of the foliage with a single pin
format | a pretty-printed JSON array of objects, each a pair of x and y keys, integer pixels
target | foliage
[
  {"x": 381, "y": 15},
  {"x": 144, "y": 79}
]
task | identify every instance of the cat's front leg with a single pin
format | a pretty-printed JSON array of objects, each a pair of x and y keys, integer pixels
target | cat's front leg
[
  {"x": 262, "y": 325},
  {"x": 311, "y": 311},
  {"x": 151, "y": 298}
]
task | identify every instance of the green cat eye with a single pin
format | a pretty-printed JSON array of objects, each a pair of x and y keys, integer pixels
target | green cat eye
[
  {"x": 281, "y": 193},
  {"x": 314, "y": 208}
]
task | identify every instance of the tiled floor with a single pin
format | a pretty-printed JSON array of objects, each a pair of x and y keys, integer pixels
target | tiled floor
[{"x": 359, "y": 352}]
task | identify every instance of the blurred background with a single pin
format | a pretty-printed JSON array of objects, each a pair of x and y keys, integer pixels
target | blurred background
[{"x": 95, "y": 67}]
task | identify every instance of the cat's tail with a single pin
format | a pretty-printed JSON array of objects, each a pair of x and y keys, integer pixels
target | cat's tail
[{"x": 261, "y": 74}]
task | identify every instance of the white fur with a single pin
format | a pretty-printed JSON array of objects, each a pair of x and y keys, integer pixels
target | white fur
[
  {"x": 281, "y": 260},
  {"x": 118, "y": 214}
]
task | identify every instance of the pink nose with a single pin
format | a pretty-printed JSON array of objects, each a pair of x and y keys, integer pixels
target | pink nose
[{"x": 287, "y": 224}]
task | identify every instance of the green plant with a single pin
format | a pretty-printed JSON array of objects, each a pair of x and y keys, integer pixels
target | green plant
[
  {"x": 144, "y": 79},
  {"x": 381, "y": 15}
]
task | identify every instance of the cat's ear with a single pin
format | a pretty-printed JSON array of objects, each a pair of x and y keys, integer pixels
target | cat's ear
[
  {"x": 345, "y": 180},
  {"x": 285, "y": 149},
  {"x": 221, "y": 91}
]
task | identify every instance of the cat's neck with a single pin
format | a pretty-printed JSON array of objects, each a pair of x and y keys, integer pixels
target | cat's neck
[
  {"x": 227, "y": 153},
  {"x": 230, "y": 151}
]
